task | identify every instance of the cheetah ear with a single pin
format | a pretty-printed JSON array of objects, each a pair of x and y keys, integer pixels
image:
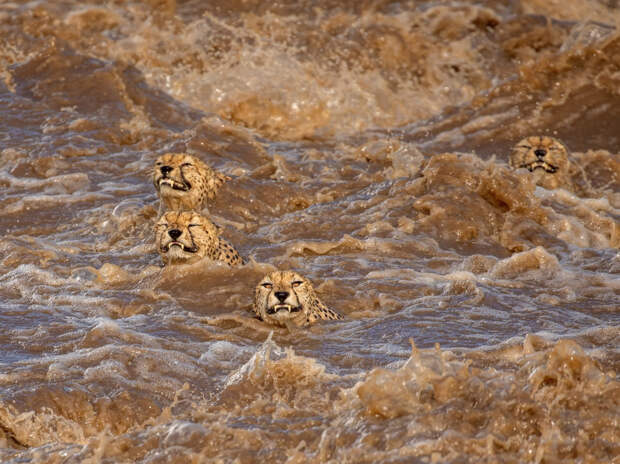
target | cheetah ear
[
  {"x": 218, "y": 228},
  {"x": 221, "y": 178}
]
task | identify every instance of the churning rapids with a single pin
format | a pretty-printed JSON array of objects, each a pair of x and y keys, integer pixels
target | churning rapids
[{"x": 367, "y": 144}]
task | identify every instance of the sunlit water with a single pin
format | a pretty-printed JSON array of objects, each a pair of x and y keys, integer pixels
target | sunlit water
[{"x": 367, "y": 144}]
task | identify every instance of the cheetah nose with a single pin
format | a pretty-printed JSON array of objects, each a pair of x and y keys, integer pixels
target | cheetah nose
[
  {"x": 282, "y": 296},
  {"x": 540, "y": 152},
  {"x": 165, "y": 170},
  {"x": 174, "y": 233}
]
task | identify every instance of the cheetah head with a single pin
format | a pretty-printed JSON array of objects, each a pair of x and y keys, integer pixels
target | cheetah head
[
  {"x": 181, "y": 180},
  {"x": 185, "y": 237},
  {"x": 285, "y": 297},
  {"x": 544, "y": 156}
]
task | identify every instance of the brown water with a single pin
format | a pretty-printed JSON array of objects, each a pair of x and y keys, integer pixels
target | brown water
[{"x": 368, "y": 146}]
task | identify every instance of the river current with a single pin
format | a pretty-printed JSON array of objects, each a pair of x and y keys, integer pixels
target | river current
[{"x": 367, "y": 144}]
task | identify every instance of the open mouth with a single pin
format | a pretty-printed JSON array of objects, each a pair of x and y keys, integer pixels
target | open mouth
[
  {"x": 283, "y": 307},
  {"x": 540, "y": 165},
  {"x": 173, "y": 184},
  {"x": 167, "y": 246}
]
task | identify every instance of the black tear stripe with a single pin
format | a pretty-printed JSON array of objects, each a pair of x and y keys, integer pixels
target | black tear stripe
[
  {"x": 194, "y": 247},
  {"x": 267, "y": 302},
  {"x": 301, "y": 305},
  {"x": 187, "y": 184}
]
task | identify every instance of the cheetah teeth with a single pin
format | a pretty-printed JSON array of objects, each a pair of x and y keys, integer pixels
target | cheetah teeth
[
  {"x": 289, "y": 308},
  {"x": 540, "y": 164},
  {"x": 173, "y": 184},
  {"x": 279, "y": 307},
  {"x": 167, "y": 247}
]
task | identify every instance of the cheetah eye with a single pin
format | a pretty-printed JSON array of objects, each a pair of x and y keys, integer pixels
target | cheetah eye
[
  {"x": 297, "y": 283},
  {"x": 187, "y": 165},
  {"x": 194, "y": 225},
  {"x": 267, "y": 285}
]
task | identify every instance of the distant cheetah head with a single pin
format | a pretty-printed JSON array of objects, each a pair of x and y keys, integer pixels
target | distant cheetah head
[
  {"x": 285, "y": 297},
  {"x": 186, "y": 237},
  {"x": 183, "y": 182},
  {"x": 545, "y": 157}
]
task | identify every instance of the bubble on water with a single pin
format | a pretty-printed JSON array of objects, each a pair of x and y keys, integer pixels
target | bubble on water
[
  {"x": 127, "y": 207},
  {"x": 186, "y": 434},
  {"x": 84, "y": 274},
  {"x": 223, "y": 353},
  {"x": 586, "y": 33}
]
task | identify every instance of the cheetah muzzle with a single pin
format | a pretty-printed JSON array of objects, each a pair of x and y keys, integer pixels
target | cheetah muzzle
[
  {"x": 286, "y": 298},
  {"x": 545, "y": 157},
  {"x": 187, "y": 237},
  {"x": 183, "y": 182},
  {"x": 540, "y": 165}
]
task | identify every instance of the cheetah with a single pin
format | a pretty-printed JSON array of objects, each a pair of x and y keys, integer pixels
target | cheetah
[
  {"x": 286, "y": 298},
  {"x": 187, "y": 237},
  {"x": 546, "y": 158},
  {"x": 183, "y": 182}
]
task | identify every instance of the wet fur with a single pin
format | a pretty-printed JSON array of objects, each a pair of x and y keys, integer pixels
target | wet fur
[
  {"x": 551, "y": 170},
  {"x": 199, "y": 239},
  {"x": 308, "y": 308},
  {"x": 194, "y": 183}
]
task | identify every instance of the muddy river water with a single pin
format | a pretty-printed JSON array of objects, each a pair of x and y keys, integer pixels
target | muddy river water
[{"x": 367, "y": 144}]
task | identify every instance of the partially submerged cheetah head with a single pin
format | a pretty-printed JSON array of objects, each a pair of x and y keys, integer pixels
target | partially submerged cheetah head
[
  {"x": 187, "y": 237},
  {"x": 286, "y": 298},
  {"x": 545, "y": 157},
  {"x": 183, "y": 182}
]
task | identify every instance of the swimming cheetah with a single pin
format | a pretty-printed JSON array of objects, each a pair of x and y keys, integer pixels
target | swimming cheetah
[
  {"x": 284, "y": 297},
  {"x": 546, "y": 158},
  {"x": 186, "y": 237},
  {"x": 183, "y": 182}
]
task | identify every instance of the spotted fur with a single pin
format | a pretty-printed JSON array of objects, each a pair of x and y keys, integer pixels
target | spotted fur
[
  {"x": 185, "y": 183},
  {"x": 187, "y": 237},
  {"x": 546, "y": 158},
  {"x": 285, "y": 297}
]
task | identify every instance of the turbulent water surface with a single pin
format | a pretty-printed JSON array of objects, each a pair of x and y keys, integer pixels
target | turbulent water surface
[{"x": 367, "y": 144}]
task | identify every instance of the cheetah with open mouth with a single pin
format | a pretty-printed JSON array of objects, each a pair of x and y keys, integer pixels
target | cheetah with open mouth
[
  {"x": 545, "y": 157},
  {"x": 187, "y": 237},
  {"x": 286, "y": 298},
  {"x": 183, "y": 182}
]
